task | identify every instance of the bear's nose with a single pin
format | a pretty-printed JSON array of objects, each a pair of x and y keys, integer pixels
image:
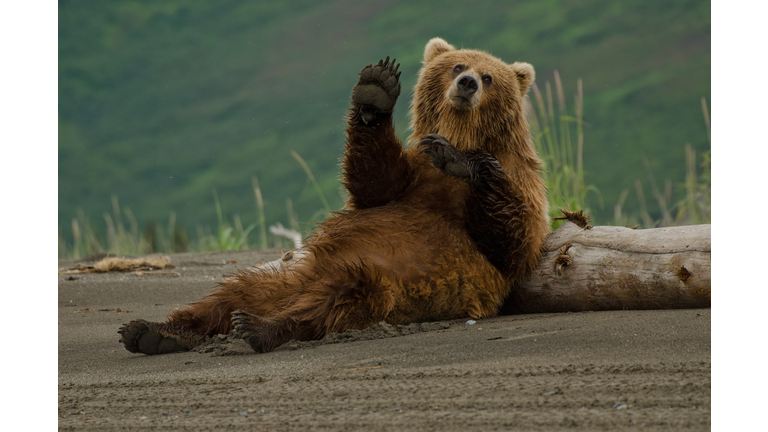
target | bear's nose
[{"x": 467, "y": 85}]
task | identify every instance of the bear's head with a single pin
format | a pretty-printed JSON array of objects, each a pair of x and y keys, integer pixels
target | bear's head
[{"x": 471, "y": 98}]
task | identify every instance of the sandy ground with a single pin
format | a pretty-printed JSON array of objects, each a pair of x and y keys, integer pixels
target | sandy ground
[{"x": 622, "y": 370}]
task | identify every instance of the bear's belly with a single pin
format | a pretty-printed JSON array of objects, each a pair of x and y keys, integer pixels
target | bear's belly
[
  {"x": 425, "y": 258},
  {"x": 406, "y": 239}
]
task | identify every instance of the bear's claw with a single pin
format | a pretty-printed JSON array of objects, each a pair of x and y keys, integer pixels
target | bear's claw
[
  {"x": 445, "y": 156},
  {"x": 240, "y": 324},
  {"x": 250, "y": 331},
  {"x": 140, "y": 336},
  {"x": 377, "y": 89}
]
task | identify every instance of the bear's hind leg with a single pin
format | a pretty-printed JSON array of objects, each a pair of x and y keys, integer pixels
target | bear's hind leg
[
  {"x": 323, "y": 307},
  {"x": 187, "y": 328}
]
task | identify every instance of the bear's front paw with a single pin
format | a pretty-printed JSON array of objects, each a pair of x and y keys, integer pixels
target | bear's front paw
[
  {"x": 445, "y": 156},
  {"x": 377, "y": 89}
]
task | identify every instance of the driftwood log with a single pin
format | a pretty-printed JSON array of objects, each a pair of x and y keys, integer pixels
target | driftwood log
[{"x": 614, "y": 268}]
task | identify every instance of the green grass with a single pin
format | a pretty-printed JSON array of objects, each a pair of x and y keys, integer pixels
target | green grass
[
  {"x": 559, "y": 137},
  {"x": 225, "y": 235},
  {"x": 122, "y": 239},
  {"x": 695, "y": 206},
  {"x": 554, "y": 136}
]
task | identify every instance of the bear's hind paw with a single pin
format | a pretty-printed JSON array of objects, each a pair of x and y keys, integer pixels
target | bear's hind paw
[
  {"x": 261, "y": 334},
  {"x": 140, "y": 336},
  {"x": 241, "y": 325}
]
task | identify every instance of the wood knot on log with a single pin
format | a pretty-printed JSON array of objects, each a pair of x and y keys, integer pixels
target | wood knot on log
[
  {"x": 682, "y": 273},
  {"x": 577, "y": 217},
  {"x": 563, "y": 258}
]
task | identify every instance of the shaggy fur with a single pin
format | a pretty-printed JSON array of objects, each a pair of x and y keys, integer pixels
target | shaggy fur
[{"x": 438, "y": 231}]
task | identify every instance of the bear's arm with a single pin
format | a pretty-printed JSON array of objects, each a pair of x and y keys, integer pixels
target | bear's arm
[
  {"x": 503, "y": 226},
  {"x": 500, "y": 220},
  {"x": 376, "y": 169}
]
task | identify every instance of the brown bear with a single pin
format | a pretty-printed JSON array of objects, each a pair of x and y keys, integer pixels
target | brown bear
[{"x": 441, "y": 230}]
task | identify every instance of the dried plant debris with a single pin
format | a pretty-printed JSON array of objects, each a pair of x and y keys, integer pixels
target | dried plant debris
[
  {"x": 562, "y": 259},
  {"x": 123, "y": 264},
  {"x": 577, "y": 217}
]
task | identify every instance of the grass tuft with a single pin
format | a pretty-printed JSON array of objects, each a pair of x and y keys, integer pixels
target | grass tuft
[
  {"x": 554, "y": 132},
  {"x": 312, "y": 180}
]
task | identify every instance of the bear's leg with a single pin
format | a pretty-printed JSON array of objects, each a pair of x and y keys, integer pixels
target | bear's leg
[
  {"x": 321, "y": 308},
  {"x": 184, "y": 329},
  {"x": 500, "y": 221},
  {"x": 376, "y": 170},
  {"x": 255, "y": 291}
]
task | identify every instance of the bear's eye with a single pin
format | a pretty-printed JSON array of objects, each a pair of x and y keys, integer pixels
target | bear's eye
[
  {"x": 458, "y": 68},
  {"x": 487, "y": 80}
]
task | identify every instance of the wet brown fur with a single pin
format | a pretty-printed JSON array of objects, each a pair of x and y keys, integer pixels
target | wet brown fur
[{"x": 414, "y": 243}]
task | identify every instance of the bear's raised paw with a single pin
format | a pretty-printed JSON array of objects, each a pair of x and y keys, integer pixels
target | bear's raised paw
[{"x": 377, "y": 89}]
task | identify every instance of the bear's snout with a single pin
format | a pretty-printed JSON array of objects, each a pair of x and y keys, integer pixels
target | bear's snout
[
  {"x": 465, "y": 91},
  {"x": 467, "y": 86}
]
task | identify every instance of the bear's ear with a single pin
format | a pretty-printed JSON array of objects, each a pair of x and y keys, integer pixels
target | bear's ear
[
  {"x": 525, "y": 75},
  {"x": 435, "y": 47}
]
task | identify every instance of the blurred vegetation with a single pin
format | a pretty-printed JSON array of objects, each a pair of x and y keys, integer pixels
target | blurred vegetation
[{"x": 161, "y": 103}]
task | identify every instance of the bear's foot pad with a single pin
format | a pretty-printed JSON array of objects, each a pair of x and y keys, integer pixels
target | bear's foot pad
[
  {"x": 378, "y": 87},
  {"x": 140, "y": 336}
]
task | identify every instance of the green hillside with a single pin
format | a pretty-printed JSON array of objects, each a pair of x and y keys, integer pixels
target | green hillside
[{"x": 160, "y": 103}]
